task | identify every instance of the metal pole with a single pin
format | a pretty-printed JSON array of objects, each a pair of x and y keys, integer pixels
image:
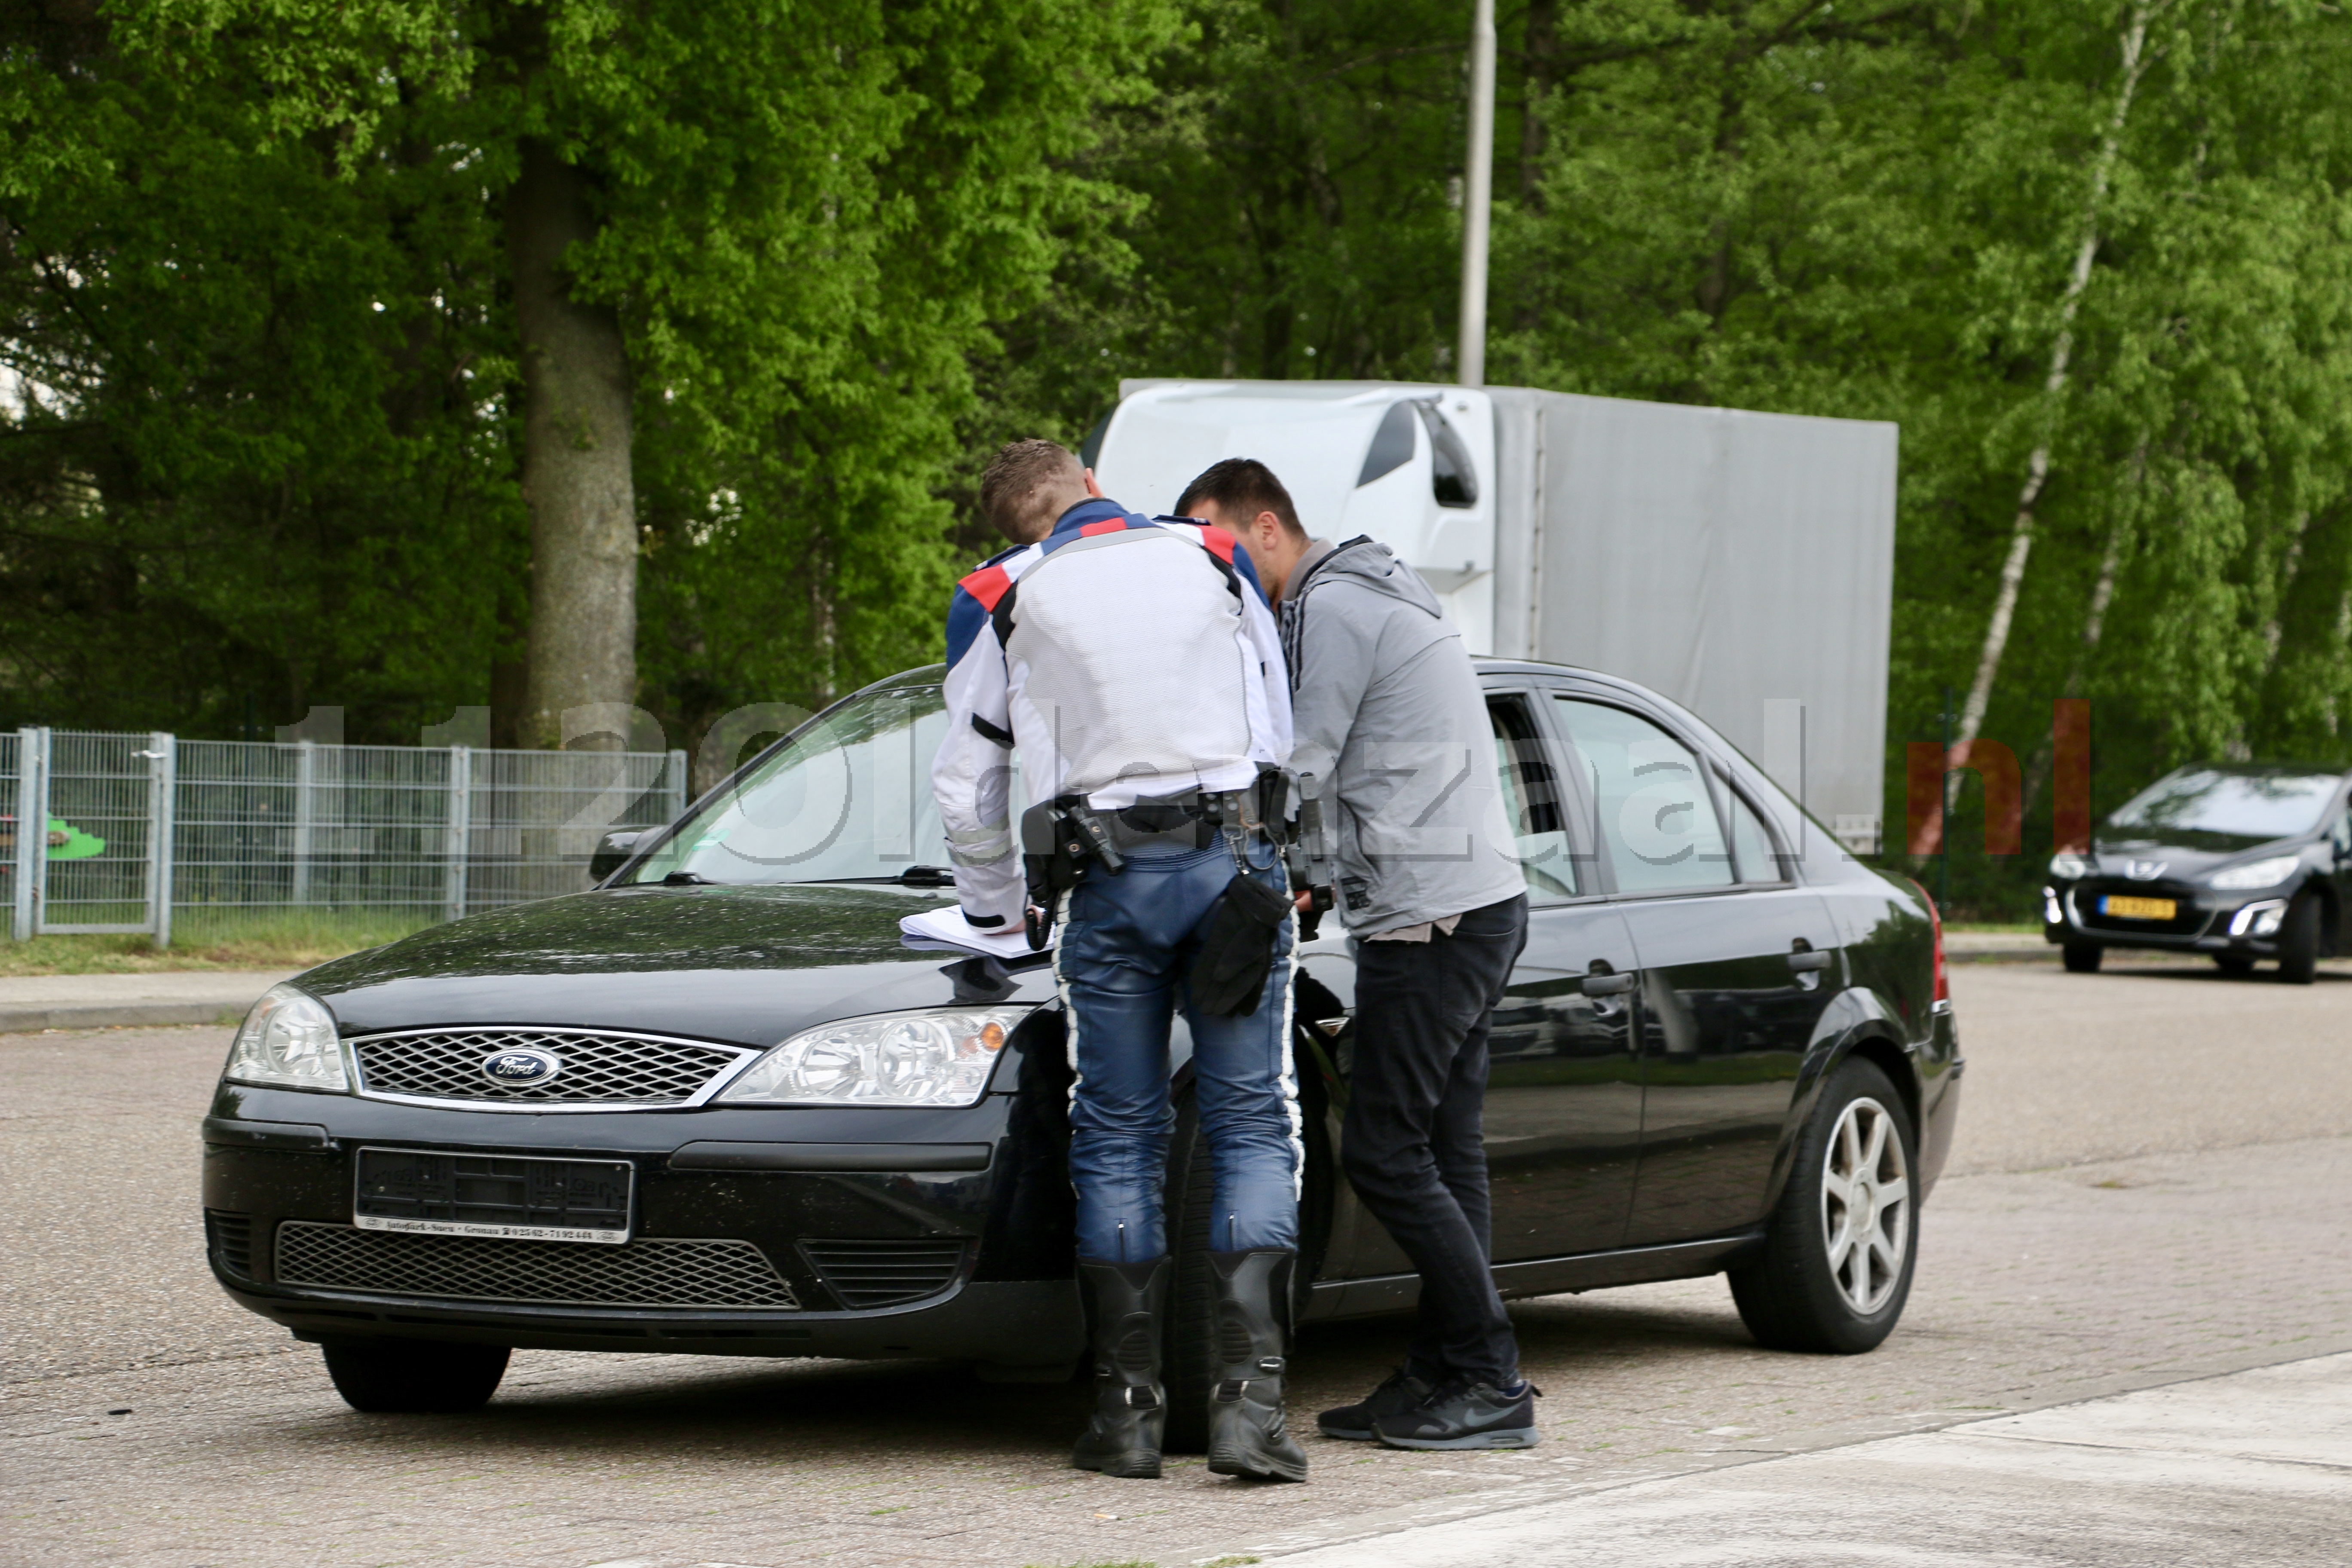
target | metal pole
[
  {"x": 161, "y": 811},
  {"x": 1477, "y": 194},
  {"x": 32, "y": 830},
  {"x": 677, "y": 782},
  {"x": 306, "y": 781},
  {"x": 461, "y": 826}
]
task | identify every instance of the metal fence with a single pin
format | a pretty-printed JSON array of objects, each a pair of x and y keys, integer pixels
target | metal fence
[{"x": 139, "y": 832}]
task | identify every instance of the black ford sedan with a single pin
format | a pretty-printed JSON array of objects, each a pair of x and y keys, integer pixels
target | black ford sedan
[
  {"x": 2243, "y": 862},
  {"x": 717, "y": 1105}
]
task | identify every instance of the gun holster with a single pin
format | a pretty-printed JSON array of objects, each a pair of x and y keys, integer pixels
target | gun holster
[
  {"x": 1307, "y": 855},
  {"x": 1235, "y": 952},
  {"x": 1058, "y": 836}
]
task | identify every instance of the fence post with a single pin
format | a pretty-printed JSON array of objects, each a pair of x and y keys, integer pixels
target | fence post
[
  {"x": 306, "y": 780},
  {"x": 677, "y": 778},
  {"x": 461, "y": 827},
  {"x": 163, "y": 772},
  {"x": 32, "y": 830}
]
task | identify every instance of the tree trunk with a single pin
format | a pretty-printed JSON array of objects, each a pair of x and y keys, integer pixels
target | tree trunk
[
  {"x": 576, "y": 478},
  {"x": 2102, "y": 593},
  {"x": 2037, "y": 466},
  {"x": 2273, "y": 628},
  {"x": 1540, "y": 56}
]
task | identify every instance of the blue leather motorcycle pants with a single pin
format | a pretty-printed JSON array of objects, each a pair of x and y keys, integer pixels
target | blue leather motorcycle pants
[{"x": 1127, "y": 943}]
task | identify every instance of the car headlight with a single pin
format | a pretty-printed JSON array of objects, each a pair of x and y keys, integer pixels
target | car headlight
[
  {"x": 287, "y": 1041},
  {"x": 2267, "y": 873},
  {"x": 2069, "y": 866},
  {"x": 937, "y": 1056}
]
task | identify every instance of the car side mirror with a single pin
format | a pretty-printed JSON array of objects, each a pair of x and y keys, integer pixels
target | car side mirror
[{"x": 613, "y": 852}]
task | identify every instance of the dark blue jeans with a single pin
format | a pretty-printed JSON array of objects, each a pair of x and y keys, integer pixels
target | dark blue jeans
[{"x": 1126, "y": 942}]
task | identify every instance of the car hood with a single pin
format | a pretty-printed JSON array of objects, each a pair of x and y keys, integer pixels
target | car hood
[
  {"x": 2117, "y": 855},
  {"x": 745, "y": 964}
]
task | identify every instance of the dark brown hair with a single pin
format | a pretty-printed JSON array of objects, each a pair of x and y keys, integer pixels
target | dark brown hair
[
  {"x": 1241, "y": 488},
  {"x": 1026, "y": 488}
]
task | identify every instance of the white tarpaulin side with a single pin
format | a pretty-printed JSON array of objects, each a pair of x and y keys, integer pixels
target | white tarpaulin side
[{"x": 1740, "y": 563}]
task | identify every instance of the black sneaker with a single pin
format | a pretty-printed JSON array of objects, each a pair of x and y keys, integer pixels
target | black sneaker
[
  {"x": 1465, "y": 1416},
  {"x": 1353, "y": 1422}
]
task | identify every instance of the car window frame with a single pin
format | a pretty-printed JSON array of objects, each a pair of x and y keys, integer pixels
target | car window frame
[
  {"x": 1712, "y": 768},
  {"x": 1728, "y": 786},
  {"x": 1564, "y": 784}
]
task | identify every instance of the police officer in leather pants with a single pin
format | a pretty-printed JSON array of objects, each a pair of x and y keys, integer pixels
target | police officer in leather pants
[{"x": 1132, "y": 665}]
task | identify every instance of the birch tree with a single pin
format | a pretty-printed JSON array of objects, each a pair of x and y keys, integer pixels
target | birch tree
[{"x": 2132, "y": 57}]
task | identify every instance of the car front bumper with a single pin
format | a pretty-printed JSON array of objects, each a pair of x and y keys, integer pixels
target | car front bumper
[
  {"x": 754, "y": 1231},
  {"x": 2207, "y": 921}
]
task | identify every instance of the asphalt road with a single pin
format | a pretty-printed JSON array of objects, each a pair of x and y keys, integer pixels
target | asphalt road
[{"x": 2145, "y": 1189}]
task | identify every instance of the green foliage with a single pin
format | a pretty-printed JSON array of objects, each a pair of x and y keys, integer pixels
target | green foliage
[
  {"x": 1873, "y": 213},
  {"x": 256, "y": 278},
  {"x": 857, "y": 245}
]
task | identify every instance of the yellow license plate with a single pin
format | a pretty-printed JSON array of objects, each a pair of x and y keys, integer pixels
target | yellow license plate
[{"x": 2138, "y": 909}]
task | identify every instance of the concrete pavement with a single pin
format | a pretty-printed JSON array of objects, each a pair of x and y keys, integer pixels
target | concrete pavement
[
  {"x": 2238, "y": 1471},
  {"x": 30, "y": 1003},
  {"x": 2203, "y": 1239}
]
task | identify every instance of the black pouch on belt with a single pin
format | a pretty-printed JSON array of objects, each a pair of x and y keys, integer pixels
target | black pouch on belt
[{"x": 1237, "y": 947}]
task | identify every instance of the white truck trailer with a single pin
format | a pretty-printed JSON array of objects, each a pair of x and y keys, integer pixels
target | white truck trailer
[{"x": 1740, "y": 563}]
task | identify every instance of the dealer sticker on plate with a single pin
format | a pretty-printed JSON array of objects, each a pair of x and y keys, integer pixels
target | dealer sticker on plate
[
  {"x": 2129, "y": 908},
  {"x": 437, "y": 1193}
]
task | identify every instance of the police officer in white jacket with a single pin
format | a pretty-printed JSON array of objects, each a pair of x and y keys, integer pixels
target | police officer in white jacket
[{"x": 1132, "y": 666}]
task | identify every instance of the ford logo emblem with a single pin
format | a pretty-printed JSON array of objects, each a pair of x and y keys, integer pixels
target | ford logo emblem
[{"x": 522, "y": 1067}]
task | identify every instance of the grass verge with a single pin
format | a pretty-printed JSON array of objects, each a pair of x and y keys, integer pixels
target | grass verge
[{"x": 238, "y": 941}]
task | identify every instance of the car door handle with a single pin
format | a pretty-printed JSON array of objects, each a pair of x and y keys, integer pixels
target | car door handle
[
  {"x": 1806, "y": 963},
  {"x": 1607, "y": 984}
]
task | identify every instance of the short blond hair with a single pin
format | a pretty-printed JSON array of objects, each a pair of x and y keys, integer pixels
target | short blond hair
[{"x": 1027, "y": 486}]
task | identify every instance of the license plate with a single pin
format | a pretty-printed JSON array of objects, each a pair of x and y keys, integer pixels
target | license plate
[
  {"x": 2126, "y": 909},
  {"x": 432, "y": 1193}
]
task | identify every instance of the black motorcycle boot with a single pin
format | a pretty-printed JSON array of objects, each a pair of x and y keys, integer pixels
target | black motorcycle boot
[
  {"x": 1124, "y": 1305},
  {"x": 1247, "y": 1434}
]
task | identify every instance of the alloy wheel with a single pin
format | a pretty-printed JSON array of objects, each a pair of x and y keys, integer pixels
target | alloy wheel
[{"x": 1866, "y": 1205}]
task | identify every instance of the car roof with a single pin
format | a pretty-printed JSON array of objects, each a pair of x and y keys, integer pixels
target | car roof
[
  {"x": 2265, "y": 770},
  {"x": 936, "y": 674}
]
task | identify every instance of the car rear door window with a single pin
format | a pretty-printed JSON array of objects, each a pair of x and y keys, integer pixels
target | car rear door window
[
  {"x": 1753, "y": 856},
  {"x": 1655, "y": 815},
  {"x": 1531, "y": 801}
]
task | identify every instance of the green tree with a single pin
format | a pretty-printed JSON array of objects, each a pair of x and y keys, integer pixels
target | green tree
[{"x": 710, "y": 278}]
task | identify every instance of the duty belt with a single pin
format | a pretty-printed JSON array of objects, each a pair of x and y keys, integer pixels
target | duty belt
[{"x": 1191, "y": 820}]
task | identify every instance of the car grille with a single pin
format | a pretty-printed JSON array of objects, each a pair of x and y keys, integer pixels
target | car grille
[
  {"x": 598, "y": 1068},
  {"x": 230, "y": 1237},
  {"x": 2187, "y": 921},
  {"x": 651, "y": 1272},
  {"x": 884, "y": 1273}
]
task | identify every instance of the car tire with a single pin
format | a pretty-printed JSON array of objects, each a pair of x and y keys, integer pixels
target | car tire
[
  {"x": 1807, "y": 1292},
  {"x": 2082, "y": 957},
  {"x": 2298, "y": 942},
  {"x": 414, "y": 1377},
  {"x": 2233, "y": 965}
]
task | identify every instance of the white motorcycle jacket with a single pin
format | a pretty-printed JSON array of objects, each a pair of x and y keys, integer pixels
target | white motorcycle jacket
[{"x": 1124, "y": 659}]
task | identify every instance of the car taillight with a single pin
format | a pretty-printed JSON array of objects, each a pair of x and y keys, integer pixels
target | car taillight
[{"x": 1936, "y": 925}]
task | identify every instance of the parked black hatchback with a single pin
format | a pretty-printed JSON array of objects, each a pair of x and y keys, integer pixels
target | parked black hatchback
[
  {"x": 715, "y": 1105},
  {"x": 2241, "y": 861}
]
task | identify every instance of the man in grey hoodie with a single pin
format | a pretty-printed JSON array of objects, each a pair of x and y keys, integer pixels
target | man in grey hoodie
[{"x": 1391, "y": 735}]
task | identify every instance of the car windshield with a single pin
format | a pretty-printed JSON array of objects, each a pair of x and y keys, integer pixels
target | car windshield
[
  {"x": 2248, "y": 805},
  {"x": 848, "y": 799}
]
